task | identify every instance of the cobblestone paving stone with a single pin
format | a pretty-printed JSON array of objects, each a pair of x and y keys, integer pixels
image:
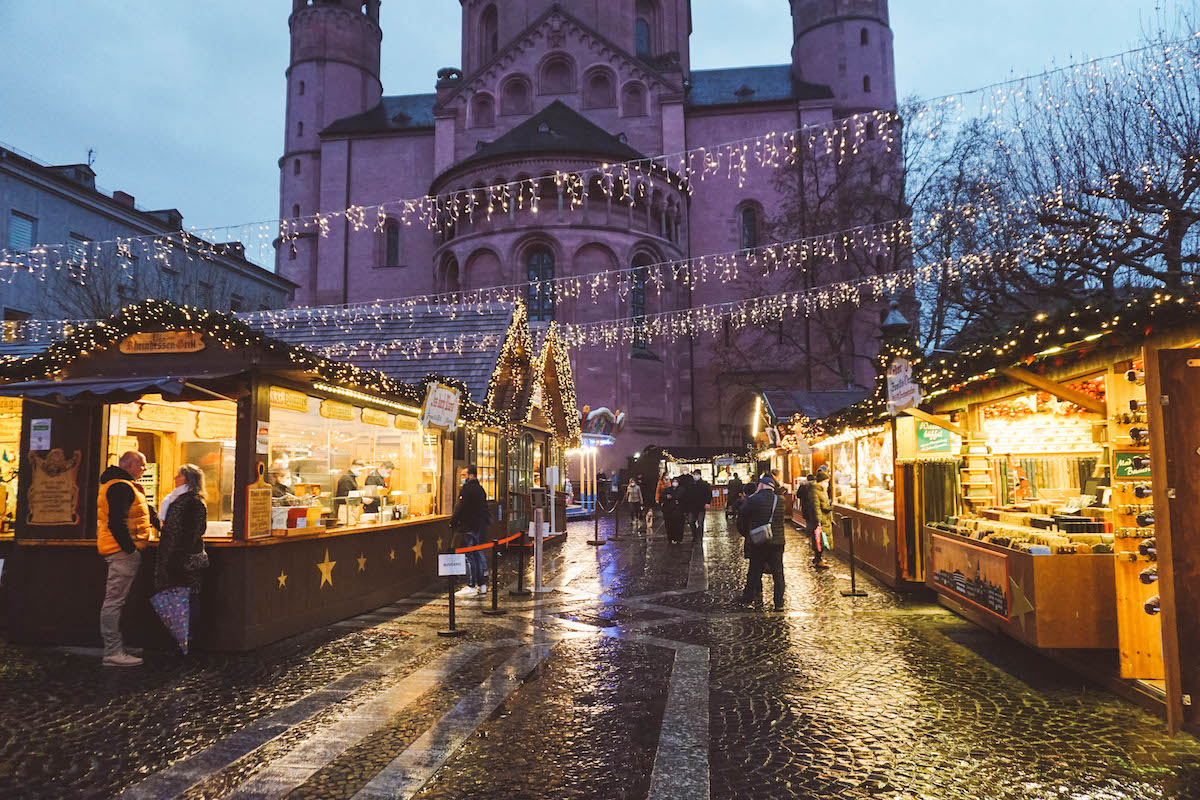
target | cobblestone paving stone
[{"x": 886, "y": 696}]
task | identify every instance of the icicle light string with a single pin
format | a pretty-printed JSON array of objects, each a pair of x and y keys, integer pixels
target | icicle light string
[
  {"x": 626, "y": 181},
  {"x": 697, "y": 320}
]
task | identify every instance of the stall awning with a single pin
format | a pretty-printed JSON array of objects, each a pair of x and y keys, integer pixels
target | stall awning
[{"x": 120, "y": 389}]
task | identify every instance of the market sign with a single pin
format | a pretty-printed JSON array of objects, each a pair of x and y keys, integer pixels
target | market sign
[
  {"x": 373, "y": 416},
  {"x": 289, "y": 399},
  {"x": 441, "y": 407},
  {"x": 332, "y": 409},
  {"x": 53, "y": 497},
  {"x": 216, "y": 426},
  {"x": 1125, "y": 468},
  {"x": 903, "y": 392},
  {"x": 162, "y": 342},
  {"x": 151, "y": 412},
  {"x": 932, "y": 439},
  {"x": 405, "y": 423}
]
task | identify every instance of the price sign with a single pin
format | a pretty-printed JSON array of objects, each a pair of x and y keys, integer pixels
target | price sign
[
  {"x": 452, "y": 564},
  {"x": 441, "y": 407},
  {"x": 903, "y": 391},
  {"x": 932, "y": 439},
  {"x": 1125, "y": 467}
]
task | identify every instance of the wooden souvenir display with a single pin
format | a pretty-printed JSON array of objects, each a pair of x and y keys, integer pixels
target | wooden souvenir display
[{"x": 1140, "y": 634}]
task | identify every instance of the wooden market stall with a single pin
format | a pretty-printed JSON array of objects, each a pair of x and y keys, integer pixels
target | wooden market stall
[
  {"x": 188, "y": 386},
  {"x": 1066, "y": 521}
]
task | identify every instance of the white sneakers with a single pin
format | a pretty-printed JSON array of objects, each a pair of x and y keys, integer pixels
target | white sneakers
[
  {"x": 121, "y": 660},
  {"x": 466, "y": 591},
  {"x": 483, "y": 589}
]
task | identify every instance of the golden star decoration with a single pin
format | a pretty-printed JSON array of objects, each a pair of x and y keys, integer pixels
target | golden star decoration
[
  {"x": 440, "y": 542},
  {"x": 392, "y": 554},
  {"x": 362, "y": 562},
  {"x": 326, "y": 568},
  {"x": 282, "y": 579},
  {"x": 417, "y": 549}
]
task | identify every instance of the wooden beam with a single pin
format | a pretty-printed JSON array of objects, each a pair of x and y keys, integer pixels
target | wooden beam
[
  {"x": 1057, "y": 389},
  {"x": 938, "y": 421}
]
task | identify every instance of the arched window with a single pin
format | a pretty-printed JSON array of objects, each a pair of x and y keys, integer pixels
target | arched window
[
  {"x": 637, "y": 300},
  {"x": 301, "y": 87},
  {"x": 558, "y": 76},
  {"x": 296, "y": 211},
  {"x": 296, "y": 167},
  {"x": 489, "y": 33},
  {"x": 483, "y": 111},
  {"x": 633, "y": 100},
  {"x": 866, "y": 83},
  {"x": 299, "y": 128},
  {"x": 539, "y": 266},
  {"x": 643, "y": 28},
  {"x": 864, "y": 37},
  {"x": 449, "y": 277},
  {"x": 748, "y": 227},
  {"x": 598, "y": 90},
  {"x": 393, "y": 244},
  {"x": 515, "y": 96}
]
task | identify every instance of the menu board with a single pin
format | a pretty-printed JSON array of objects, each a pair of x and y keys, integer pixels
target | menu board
[
  {"x": 258, "y": 508},
  {"x": 54, "y": 491}
]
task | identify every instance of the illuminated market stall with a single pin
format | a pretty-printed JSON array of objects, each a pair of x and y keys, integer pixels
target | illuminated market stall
[{"x": 328, "y": 486}]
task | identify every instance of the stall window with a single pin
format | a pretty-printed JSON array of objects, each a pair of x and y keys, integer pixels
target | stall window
[
  {"x": 487, "y": 461},
  {"x": 169, "y": 434},
  {"x": 521, "y": 466},
  {"x": 10, "y": 441},
  {"x": 314, "y": 444}
]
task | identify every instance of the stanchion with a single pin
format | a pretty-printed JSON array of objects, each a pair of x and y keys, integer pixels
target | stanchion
[
  {"x": 537, "y": 552},
  {"x": 495, "y": 610},
  {"x": 848, "y": 531},
  {"x": 452, "y": 630},
  {"x": 616, "y": 517},
  {"x": 596, "y": 541},
  {"x": 521, "y": 591}
]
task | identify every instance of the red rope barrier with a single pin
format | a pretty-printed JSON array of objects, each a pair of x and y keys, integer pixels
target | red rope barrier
[
  {"x": 509, "y": 539},
  {"x": 486, "y": 546}
]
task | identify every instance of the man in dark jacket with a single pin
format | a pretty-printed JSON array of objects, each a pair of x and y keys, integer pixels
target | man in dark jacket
[
  {"x": 699, "y": 497},
  {"x": 768, "y": 507},
  {"x": 378, "y": 477},
  {"x": 472, "y": 516},
  {"x": 347, "y": 483}
]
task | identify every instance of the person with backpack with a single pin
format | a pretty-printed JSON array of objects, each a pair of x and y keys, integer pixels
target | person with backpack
[{"x": 761, "y": 522}]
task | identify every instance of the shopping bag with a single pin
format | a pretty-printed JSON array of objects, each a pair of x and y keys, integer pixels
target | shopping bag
[{"x": 173, "y": 608}]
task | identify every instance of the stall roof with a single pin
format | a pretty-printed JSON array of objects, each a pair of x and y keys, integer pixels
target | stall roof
[
  {"x": 783, "y": 404},
  {"x": 104, "y": 387},
  {"x": 394, "y": 342}
]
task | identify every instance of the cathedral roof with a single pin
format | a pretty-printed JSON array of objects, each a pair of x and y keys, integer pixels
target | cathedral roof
[
  {"x": 557, "y": 129},
  {"x": 720, "y": 87},
  {"x": 402, "y": 112}
]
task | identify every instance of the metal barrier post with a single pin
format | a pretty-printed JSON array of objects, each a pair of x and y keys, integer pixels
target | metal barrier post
[
  {"x": 849, "y": 533},
  {"x": 537, "y": 552},
  {"x": 495, "y": 610},
  {"x": 521, "y": 591},
  {"x": 451, "y": 631}
]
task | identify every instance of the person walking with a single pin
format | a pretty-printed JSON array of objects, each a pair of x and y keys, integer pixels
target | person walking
[
  {"x": 733, "y": 495},
  {"x": 673, "y": 511},
  {"x": 699, "y": 498},
  {"x": 472, "y": 516},
  {"x": 762, "y": 516},
  {"x": 821, "y": 521},
  {"x": 124, "y": 521},
  {"x": 181, "y": 558},
  {"x": 633, "y": 499}
]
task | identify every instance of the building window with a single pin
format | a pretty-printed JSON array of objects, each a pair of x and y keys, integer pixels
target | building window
[
  {"x": 633, "y": 101},
  {"x": 516, "y": 96},
  {"x": 864, "y": 37},
  {"x": 77, "y": 249},
  {"x": 483, "y": 111},
  {"x": 393, "y": 244},
  {"x": 643, "y": 37},
  {"x": 539, "y": 265},
  {"x": 295, "y": 211},
  {"x": 301, "y": 87},
  {"x": 22, "y": 231},
  {"x": 489, "y": 32},
  {"x": 299, "y": 128},
  {"x": 557, "y": 77},
  {"x": 166, "y": 284},
  {"x": 204, "y": 295},
  {"x": 292, "y": 252},
  {"x": 866, "y": 83},
  {"x": 599, "y": 90},
  {"x": 296, "y": 167},
  {"x": 643, "y": 28},
  {"x": 637, "y": 301},
  {"x": 236, "y": 303},
  {"x": 748, "y": 219},
  {"x": 487, "y": 462}
]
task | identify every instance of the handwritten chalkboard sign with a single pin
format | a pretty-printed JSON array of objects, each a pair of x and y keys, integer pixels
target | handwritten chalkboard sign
[{"x": 258, "y": 507}]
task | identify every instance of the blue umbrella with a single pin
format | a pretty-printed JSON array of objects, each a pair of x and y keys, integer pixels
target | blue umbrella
[{"x": 172, "y": 607}]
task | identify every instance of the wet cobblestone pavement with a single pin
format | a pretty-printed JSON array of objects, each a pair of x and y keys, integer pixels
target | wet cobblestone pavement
[{"x": 636, "y": 677}]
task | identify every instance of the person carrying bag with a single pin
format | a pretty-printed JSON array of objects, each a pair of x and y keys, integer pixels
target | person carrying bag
[{"x": 761, "y": 522}]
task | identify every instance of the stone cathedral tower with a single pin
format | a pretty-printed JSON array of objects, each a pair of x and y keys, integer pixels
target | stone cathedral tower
[
  {"x": 847, "y": 46},
  {"x": 333, "y": 73}
]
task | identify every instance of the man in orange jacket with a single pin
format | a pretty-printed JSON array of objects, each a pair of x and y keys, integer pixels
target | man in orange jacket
[{"x": 124, "y": 521}]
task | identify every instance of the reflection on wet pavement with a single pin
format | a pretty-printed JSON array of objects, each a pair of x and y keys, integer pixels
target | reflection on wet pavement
[{"x": 637, "y": 676}]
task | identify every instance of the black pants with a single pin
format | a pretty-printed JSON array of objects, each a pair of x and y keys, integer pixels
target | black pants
[{"x": 766, "y": 558}]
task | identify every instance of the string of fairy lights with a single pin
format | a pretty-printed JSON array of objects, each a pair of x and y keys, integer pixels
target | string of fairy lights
[{"x": 632, "y": 181}]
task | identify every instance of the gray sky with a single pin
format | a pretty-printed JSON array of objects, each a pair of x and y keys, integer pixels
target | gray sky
[{"x": 183, "y": 101}]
